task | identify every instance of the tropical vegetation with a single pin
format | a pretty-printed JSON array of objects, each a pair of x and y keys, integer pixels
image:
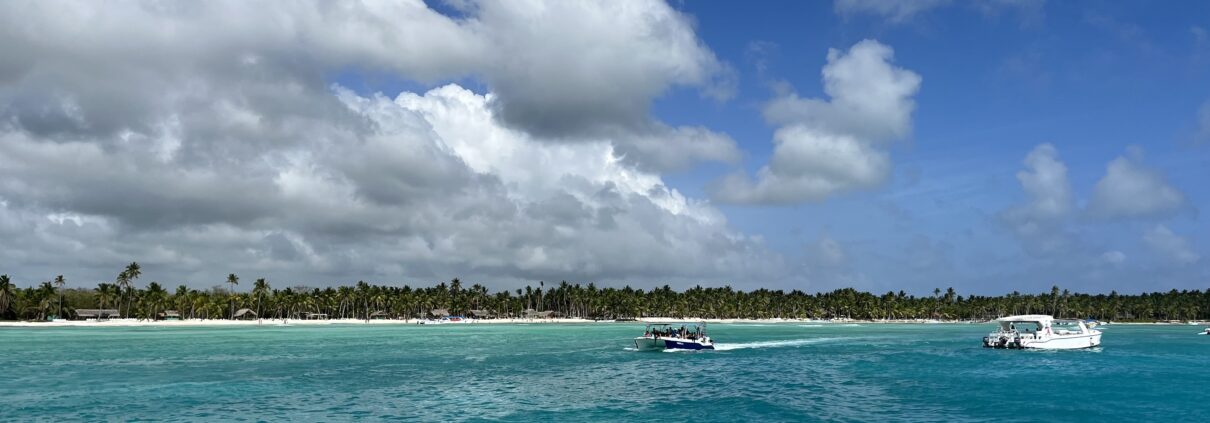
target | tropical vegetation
[{"x": 362, "y": 300}]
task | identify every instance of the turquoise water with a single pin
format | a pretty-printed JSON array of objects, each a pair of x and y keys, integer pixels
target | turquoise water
[{"x": 584, "y": 373}]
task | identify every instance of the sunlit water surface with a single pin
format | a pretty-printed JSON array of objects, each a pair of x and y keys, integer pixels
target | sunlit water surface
[{"x": 540, "y": 372}]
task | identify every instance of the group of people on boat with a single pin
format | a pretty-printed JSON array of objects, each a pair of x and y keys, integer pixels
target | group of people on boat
[{"x": 682, "y": 333}]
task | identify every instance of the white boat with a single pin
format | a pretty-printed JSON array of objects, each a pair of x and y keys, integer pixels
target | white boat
[
  {"x": 666, "y": 336},
  {"x": 446, "y": 320},
  {"x": 1206, "y": 332},
  {"x": 1037, "y": 331}
]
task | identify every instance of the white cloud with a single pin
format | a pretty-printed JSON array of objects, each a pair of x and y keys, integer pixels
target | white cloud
[
  {"x": 1045, "y": 183},
  {"x": 439, "y": 189},
  {"x": 896, "y": 11},
  {"x": 1039, "y": 223},
  {"x": 603, "y": 63},
  {"x": 1170, "y": 246},
  {"x": 825, "y": 147},
  {"x": 135, "y": 131},
  {"x": 565, "y": 71},
  {"x": 1131, "y": 190}
]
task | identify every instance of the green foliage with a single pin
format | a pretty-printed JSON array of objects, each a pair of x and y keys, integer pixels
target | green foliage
[{"x": 589, "y": 301}]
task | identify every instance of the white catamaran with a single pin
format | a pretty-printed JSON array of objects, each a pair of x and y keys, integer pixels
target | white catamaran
[{"x": 1042, "y": 332}]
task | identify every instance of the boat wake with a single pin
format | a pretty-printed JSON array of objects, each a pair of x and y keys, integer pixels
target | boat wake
[{"x": 770, "y": 344}]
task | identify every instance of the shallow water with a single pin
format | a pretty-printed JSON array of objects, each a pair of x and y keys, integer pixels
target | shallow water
[{"x": 585, "y": 373}]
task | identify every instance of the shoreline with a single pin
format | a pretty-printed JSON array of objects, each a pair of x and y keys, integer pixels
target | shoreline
[{"x": 645, "y": 320}]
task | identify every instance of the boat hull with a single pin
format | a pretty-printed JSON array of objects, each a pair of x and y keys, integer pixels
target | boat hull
[
  {"x": 686, "y": 345},
  {"x": 648, "y": 344},
  {"x": 660, "y": 344},
  {"x": 1063, "y": 342},
  {"x": 1072, "y": 342}
]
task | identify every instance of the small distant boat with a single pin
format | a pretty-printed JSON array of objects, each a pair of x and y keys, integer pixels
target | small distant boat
[
  {"x": 1206, "y": 332},
  {"x": 446, "y": 320},
  {"x": 665, "y": 336},
  {"x": 1036, "y": 331}
]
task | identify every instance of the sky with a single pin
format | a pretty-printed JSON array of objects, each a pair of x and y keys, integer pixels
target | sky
[{"x": 989, "y": 146}]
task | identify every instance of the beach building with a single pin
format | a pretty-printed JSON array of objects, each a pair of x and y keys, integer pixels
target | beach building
[
  {"x": 244, "y": 313},
  {"x": 533, "y": 314},
  {"x": 379, "y": 315},
  {"x": 482, "y": 314},
  {"x": 169, "y": 315},
  {"x": 439, "y": 312},
  {"x": 315, "y": 316},
  {"x": 97, "y": 313}
]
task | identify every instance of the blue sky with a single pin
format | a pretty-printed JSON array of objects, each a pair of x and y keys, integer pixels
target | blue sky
[
  {"x": 1092, "y": 78},
  {"x": 989, "y": 146}
]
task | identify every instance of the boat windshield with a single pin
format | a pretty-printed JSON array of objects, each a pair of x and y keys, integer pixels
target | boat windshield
[
  {"x": 1021, "y": 326},
  {"x": 1067, "y": 327}
]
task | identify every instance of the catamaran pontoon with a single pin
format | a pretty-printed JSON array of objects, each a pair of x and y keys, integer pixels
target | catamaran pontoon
[
  {"x": 1042, "y": 332},
  {"x": 662, "y": 336}
]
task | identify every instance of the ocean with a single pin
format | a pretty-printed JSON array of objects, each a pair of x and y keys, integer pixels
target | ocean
[{"x": 545, "y": 372}]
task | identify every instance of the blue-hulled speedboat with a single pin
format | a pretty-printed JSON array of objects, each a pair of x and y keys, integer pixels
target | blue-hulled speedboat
[{"x": 670, "y": 336}]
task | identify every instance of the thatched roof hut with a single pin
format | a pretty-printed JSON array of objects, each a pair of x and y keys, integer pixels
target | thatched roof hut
[
  {"x": 315, "y": 316},
  {"x": 379, "y": 315},
  {"x": 96, "y": 313},
  {"x": 244, "y": 313},
  {"x": 169, "y": 315},
  {"x": 482, "y": 314},
  {"x": 439, "y": 312},
  {"x": 532, "y": 314}
]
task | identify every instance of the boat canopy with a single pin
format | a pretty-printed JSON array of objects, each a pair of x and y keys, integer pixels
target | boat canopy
[
  {"x": 1030, "y": 318},
  {"x": 700, "y": 326}
]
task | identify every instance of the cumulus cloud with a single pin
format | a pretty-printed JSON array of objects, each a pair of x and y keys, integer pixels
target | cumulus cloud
[
  {"x": 1170, "y": 246},
  {"x": 1044, "y": 181},
  {"x": 1131, "y": 190},
  {"x": 564, "y": 71},
  {"x": 602, "y": 69},
  {"x": 438, "y": 188},
  {"x": 207, "y": 138},
  {"x": 824, "y": 147},
  {"x": 1038, "y": 223}
]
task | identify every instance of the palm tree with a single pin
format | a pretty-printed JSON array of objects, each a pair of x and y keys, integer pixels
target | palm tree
[
  {"x": 259, "y": 289},
  {"x": 233, "y": 281},
  {"x": 105, "y": 294},
  {"x": 7, "y": 294},
  {"x": 155, "y": 298},
  {"x": 59, "y": 282},
  {"x": 122, "y": 282},
  {"x": 126, "y": 279},
  {"x": 44, "y": 294},
  {"x": 133, "y": 270}
]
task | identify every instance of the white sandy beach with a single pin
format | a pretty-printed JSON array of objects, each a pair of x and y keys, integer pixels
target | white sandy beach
[
  {"x": 299, "y": 322},
  {"x": 645, "y": 320}
]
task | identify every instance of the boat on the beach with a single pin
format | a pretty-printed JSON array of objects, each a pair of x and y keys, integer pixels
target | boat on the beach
[
  {"x": 1037, "y": 331},
  {"x": 666, "y": 336}
]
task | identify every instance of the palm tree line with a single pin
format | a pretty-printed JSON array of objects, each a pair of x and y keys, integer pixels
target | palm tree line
[{"x": 363, "y": 300}]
